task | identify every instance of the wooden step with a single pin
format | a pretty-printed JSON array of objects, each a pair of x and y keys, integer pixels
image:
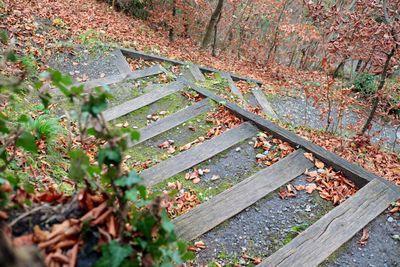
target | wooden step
[
  {"x": 194, "y": 74},
  {"x": 232, "y": 84},
  {"x": 121, "y": 62},
  {"x": 264, "y": 103},
  {"x": 141, "y": 101},
  {"x": 153, "y": 70},
  {"x": 330, "y": 232},
  {"x": 207, "y": 215},
  {"x": 172, "y": 121},
  {"x": 197, "y": 154}
]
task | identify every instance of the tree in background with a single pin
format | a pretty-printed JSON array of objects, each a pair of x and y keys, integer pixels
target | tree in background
[{"x": 364, "y": 31}]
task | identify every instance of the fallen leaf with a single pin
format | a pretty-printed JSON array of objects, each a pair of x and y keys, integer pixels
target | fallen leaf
[
  {"x": 309, "y": 156},
  {"x": 311, "y": 187},
  {"x": 319, "y": 164},
  {"x": 299, "y": 187},
  {"x": 200, "y": 244},
  {"x": 364, "y": 238}
]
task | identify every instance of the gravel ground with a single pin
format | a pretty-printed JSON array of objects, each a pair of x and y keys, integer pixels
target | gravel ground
[
  {"x": 262, "y": 228},
  {"x": 82, "y": 63},
  {"x": 233, "y": 165},
  {"x": 301, "y": 113}
]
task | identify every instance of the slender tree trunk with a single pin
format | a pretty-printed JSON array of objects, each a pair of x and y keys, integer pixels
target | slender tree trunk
[
  {"x": 276, "y": 31},
  {"x": 211, "y": 24},
  {"x": 358, "y": 67},
  {"x": 214, "y": 45},
  {"x": 171, "y": 34},
  {"x": 382, "y": 81}
]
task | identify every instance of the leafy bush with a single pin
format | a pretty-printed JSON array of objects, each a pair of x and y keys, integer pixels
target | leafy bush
[
  {"x": 136, "y": 8},
  {"x": 366, "y": 84},
  {"x": 44, "y": 127},
  {"x": 145, "y": 235}
]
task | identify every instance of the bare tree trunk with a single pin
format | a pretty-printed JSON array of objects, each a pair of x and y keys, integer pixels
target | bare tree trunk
[
  {"x": 382, "y": 81},
  {"x": 214, "y": 53},
  {"x": 171, "y": 34},
  {"x": 211, "y": 24},
  {"x": 276, "y": 31}
]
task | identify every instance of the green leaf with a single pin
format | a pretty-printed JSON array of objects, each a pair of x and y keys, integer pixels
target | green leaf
[
  {"x": 135, "y": 135},
  {"x": 11, "y": 57},
  {"x": 27, "y": 141},
  {"x": 109, "y": 156},
  {"x": 3, "y": 37},
  {"x": 79, "y": 165},
  {"x": 113, "y": 254},
  {"x": 131, "y": 195},
  {"x": 3, "y": 127},
  {"x": 167, "y": 226},
  {"x": 132, "y": 179},
  {"x": 29, "y": 188},
  {"x": 23, "y": 118}
]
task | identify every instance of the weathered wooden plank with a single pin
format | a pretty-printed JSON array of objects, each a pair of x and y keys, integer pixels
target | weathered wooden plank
[
  {"x": 232, "y": 84},
  {"x": 197, "y": 154},
  {"x": 193, "y": 73},
  {"x": 153, "y": 70},
  {"x": 141, "y": 101},
  {"x": 320, "y": 240},
  {"x": 207, "y": 215},
  {"x": 136, "y": 54},
  {"x": 172, "y": 121},
  {"x": 121, "y": 62},
  {"x": 352, "y": 171},
  {"x": 264, "y": 103}
]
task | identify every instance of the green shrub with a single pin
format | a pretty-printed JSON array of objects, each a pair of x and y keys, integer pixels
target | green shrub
[
  {"x": 45, "y": 127},
  {"x": 366, "y": 84},
  {"x": 136, "y": 8}
]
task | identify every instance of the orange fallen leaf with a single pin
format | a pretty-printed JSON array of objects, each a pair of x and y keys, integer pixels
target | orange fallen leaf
[
  {"x": 364, "y": 238},
  {"x": 319, "y": 164},
  {"x": 24, "y": 240},
  {"x": 200, "y": 244},
  {"x": 311, "y": 187},
  {"x": 299, "y": 187},
  {"x": 309, "y": 156}
]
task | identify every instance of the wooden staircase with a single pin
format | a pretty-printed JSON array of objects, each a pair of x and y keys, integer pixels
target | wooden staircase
[{"x": 309, "y": 248}]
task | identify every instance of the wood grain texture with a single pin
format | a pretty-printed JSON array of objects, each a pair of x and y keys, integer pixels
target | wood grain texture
[
  {"x": 264, "y": 103},
  {"x": 206, "y": 216},
  {"x": 232, "y": 84},
  {"x": 197, "y": 154},
  {"x": 354, "y": 172},
  {"x": 172, "y": 121},
  {"x": 194, "y": 74},
  {"x": 141, "y": 101},
  {"x": 316, "y": 243},
  {"x": 153, "y": 70},
  {"x": 121, "y": 62},
  {"x": 136, "y": 54}
]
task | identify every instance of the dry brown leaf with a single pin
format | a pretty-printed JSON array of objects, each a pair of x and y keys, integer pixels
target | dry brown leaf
[
  {"x": 200, "y": 244},
  {"x": 299, "y": 187},
  {"x": 319, "y": 164},
  {"x": 309, "y": 156},
  {"x": 364, "y": 238},
  {"x": 311, "y": 187},
  {"x": 25, "y": 240}
]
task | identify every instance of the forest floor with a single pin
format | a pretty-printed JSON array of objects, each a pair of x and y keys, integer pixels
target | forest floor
[{"x": 93, "y": 26}]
